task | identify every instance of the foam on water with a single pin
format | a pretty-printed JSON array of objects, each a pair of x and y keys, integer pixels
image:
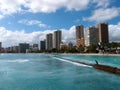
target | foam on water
[
  {"x": 19, "y": 60},
  {"x": 2, "y": 54},
  {"x": 75, "y": 63}
]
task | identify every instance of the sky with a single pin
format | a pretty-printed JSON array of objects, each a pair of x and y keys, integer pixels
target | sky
[{"x": 30, "y": 20}]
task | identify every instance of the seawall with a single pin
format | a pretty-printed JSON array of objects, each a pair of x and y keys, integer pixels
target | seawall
[{"x": 106, "y": 68}]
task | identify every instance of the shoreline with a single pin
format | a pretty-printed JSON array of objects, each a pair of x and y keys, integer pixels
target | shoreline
[
  {"x": 85, "y": 54},
  {"x": 92, "y": 54}
]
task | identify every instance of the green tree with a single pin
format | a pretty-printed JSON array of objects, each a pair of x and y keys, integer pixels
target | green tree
[
  {"x": 92, "y": 48},
  {"x": 80, "y": 49}
]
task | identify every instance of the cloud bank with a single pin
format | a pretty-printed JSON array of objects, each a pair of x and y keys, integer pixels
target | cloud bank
[
  {"x": 101, "y": 10},
  {"x": 114, "y": 32},
  {"x": 46, "y": 6},
  {"x": 9, "y": 37}
]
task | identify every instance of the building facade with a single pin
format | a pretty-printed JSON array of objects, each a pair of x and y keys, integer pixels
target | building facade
[
  {"x": 42, "y": 45},
  {"x": 63, "y": 46},
  {"x": 23, "y": 47},
  {"x": 35, "y": 47},
  {"x": 57, "y": 39},
  {"x": 103, "y": 33},
  {"x": 14, "y": 49},
  {"x": 80, "y": 35},
  {"x": 92, "y": 37},
  {"x": 49, "y": 41},
  {"x": 0, "y": 46},
  {"x": 70, "y": 45}
]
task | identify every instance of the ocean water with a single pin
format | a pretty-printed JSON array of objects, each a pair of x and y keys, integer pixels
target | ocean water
[{"x": 44, "y": 72}]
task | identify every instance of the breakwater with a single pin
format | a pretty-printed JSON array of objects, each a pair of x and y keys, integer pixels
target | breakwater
[
  {"x": 98, "y": 66},
  {"x": 106, "y": 68}
]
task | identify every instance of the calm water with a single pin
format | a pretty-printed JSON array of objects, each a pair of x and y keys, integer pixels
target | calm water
[{"x": 44, "y": 72}]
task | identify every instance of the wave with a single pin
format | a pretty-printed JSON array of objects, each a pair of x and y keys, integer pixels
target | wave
[
  {"x": 72, "y": 62},
  {"x": 2, "y": 54},
  {"x": 19, "y": 60}
]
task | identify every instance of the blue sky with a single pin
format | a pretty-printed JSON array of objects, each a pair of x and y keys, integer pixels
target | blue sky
[{"x": 30, "y": 20}]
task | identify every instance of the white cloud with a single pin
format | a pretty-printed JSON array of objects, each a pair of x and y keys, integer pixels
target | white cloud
[
  {"x": 8, "y": 7},
  {"x": 102, "y": 3},
  {"x": 1, "y": 16},
  {"x": 101, "y": 15},
  {"x": 77, "y": 20},
  {"x": 9, "y": 37},
  {"x": 32, "y": 22},
  {"x": 46, "y": 6},
  {"x": 42, "y": 25},
  {"x": 114, "y": 32},
  {"x": 68, "y": 35},
  {"x": 77, "y": 4}
]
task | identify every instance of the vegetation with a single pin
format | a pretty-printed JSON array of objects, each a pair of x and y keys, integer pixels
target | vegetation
[
  {"x": 92, "y": 49},
  {"x": 113, "y": 47}
]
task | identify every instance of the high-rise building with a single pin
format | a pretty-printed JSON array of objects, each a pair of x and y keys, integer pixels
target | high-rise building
[
  {"x": 57, "y": 39},
  {"x": 63, "y": 46},
  {"x": 49, "y": 41},
  {"x": 23, "y": 47},
  {"x": 42, "y": 45},
  {"x": 103, "y": 33},
  {"x": 0, "y": 46},
  {"x": 70, "y": 45},
  {"x": 14, "y": 49},
  {"x": 35, "y": 47},
  {"x": 87, "y": 37},
  {"x": 92, "y": 36},
  {"x": 80, "y": 35}
]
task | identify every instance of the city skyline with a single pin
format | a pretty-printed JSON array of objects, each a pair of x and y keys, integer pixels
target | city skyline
[
  {"x": 82, "y": 37},
  {"x": 23, "y": 21},
  {"x": 96, "y": 35}
]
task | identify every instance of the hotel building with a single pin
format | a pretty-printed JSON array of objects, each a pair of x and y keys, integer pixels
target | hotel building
[
  {"x": 103, "y": 33},
  {"x": 80, "y": 35},
  {"x": 91, "y": 36},
  {"x": 49, "y": 41},
  {"x": 57, "y": 39},
  {"x": 42, "y": 45},
  {"x": 23, "y": 47},
  {"x": 0, "y": 46}
]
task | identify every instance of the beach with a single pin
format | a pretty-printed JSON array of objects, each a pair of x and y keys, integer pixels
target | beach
[{"x": 92, "y": 54}]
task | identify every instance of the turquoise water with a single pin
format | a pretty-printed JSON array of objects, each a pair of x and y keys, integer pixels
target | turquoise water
[{"x": 44, "y": 72}]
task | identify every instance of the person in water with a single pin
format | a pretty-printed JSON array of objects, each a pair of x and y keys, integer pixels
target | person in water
[{"x": 96, "y": 62}]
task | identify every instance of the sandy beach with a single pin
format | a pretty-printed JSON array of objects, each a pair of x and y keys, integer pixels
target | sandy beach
[{"x": 94, "y": 54}]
